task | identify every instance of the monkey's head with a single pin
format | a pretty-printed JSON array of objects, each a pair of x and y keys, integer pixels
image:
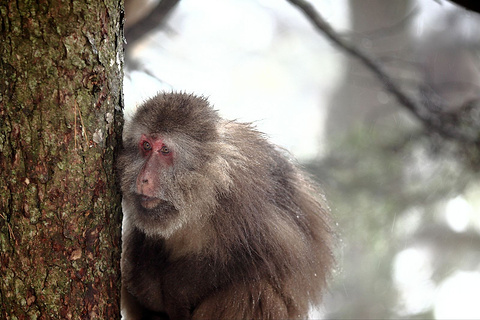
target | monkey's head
[{"x": 167, "y": 162}]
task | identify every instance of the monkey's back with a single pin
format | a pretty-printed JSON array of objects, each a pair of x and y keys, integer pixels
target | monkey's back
[{"x": 284, "y": 232}]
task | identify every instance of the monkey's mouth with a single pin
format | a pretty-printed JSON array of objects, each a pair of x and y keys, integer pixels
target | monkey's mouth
[
  {"x": 153, "y": 207},
  {"x": 150, "y": 202}
]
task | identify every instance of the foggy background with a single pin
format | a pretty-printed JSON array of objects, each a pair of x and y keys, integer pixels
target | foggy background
[{"x": 402, "y": 185}]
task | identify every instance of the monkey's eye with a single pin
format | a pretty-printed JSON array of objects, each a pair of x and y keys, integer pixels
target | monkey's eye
[
  {"x": 164, "y": 150},
  {"x": 146, "y": 146}
]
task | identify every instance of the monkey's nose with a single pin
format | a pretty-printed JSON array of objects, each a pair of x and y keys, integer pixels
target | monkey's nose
[{"x": 147, "y": 183}]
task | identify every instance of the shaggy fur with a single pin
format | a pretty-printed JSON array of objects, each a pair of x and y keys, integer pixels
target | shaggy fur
[{"x": 240, "y": 233}]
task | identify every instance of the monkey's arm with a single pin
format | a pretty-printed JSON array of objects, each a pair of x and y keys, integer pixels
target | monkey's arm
[
  {"x": 243, "y": 301},
  {"x": 131, "y": 309}
]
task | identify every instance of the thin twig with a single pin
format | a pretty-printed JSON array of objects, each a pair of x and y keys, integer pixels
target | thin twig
[
  {"x": 403, "y": 98},
  {"x": 151, "y": 21},
  {"x": 390, "y": 30}
]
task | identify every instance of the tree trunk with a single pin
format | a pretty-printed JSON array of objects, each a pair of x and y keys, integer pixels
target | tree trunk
[{"x": 60, "y": 125}]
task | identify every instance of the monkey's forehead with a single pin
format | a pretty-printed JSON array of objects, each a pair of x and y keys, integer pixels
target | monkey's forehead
[
  {"x": 134, "y": 133},
  {"x": 176, "y": 110},
  {"x": 176, "y": 113}
]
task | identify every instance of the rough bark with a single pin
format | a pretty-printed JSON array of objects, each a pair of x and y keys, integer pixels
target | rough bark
[{"x": 60, "y": 125}]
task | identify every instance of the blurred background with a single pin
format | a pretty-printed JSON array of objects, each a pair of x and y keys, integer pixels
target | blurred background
[{"x": 396, "y": 150}]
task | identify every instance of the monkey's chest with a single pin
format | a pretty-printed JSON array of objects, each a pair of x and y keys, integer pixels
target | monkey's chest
[
  {"x": 147, "y": 284},
  {"x": 178, "y": 286}
]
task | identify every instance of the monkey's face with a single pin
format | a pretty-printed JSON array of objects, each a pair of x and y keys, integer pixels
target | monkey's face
[
  {"x": 147, "y": 167},
  {"x": 171, "y": 167},
  {"x": 153, "y": 205},
  {"x": 162, "y": 179},
  {"x": 157, "y": 158}
]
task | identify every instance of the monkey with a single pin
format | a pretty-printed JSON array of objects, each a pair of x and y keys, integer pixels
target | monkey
[{"x": 219, "y": 223}]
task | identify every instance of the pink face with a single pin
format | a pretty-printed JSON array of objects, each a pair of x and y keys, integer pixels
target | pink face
[{"x": 157, "y": 157}]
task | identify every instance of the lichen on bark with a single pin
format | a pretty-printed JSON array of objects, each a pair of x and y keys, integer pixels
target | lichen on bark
[{"x": 60, "y": 126}]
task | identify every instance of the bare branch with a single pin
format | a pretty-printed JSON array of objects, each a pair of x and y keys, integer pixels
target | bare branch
[
  {"x": 471, "y": 5},
  {"x": 153, "y": 20},
  {"x": 432, "y": 122},
  {"x": 391, "y": 30}
]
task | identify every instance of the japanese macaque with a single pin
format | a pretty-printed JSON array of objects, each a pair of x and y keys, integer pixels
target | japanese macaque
[{"x": 219, "y": 223}]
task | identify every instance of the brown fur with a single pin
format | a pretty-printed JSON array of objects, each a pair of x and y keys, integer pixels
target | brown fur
[{"x": 243, "y": 233}]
